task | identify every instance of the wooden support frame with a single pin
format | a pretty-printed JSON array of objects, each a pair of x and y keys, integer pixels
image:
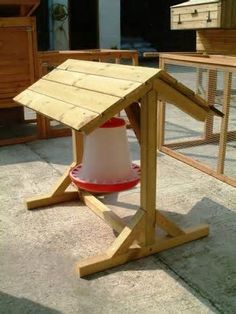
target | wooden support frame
[{"x": 138, "y": 238}]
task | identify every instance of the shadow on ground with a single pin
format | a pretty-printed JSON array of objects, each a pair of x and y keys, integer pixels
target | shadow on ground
[
  {"x": 12, "y": 305},
  {"x": 208, "y": 265}
]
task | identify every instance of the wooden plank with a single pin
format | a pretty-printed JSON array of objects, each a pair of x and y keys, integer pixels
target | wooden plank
[
  {"x": 161, "y": 106},
  {"x": 57, "y": 57},
  {"x": 225, "y": 122},
  {"x": 48, "y": 199},
  {"x": 59, "y": 132},
  {"x": 102, "y": 211},
  {"x": 164, "y": 223},
  {"x": 148, "y": 163},
  {"x": 200, "y": 60},
  {"x": 106, "y": 85},
  {"x": 14, "y": 21},
  {"x": 118, "y": 71},
  {"x": 43, "y": 125},
  {"x": 211, "y": 94},
  {"x": 183, "y": 89},
  {"x": 77, "y": 146},
  {"x": 76, "y": 97},
  {"x": 17, "y": 140},
  {"x": 116, "y": 108},
  {"x": 69, "y": 114},
  {"x": 127, "y": 235},
  {"x": 133, "y": 113}
]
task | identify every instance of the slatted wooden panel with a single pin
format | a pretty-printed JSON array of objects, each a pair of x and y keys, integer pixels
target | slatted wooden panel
[
  {"x": 17, "y": 51},
  {"x": 84, "y": 94}
]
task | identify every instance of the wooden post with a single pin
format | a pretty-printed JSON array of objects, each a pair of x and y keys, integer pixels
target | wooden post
[
  {"x": 161, "y": 111},
  {"x": 225, "y": 121},
  {"x": 133, "y": 113},
  {"x": 77, "y": 144},
  {"x": 148, "y": 163},
  {"x": 211, "y": 94}
]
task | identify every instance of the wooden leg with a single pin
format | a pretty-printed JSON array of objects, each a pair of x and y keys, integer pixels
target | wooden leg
[
  {"x": 102, "y": 211},
  {"x": 148, "y": 163},
  {"x": 124, "y": 248},
  {"x": 43, "y": 126},
  {"x": 78, "y": 145},
  {"x": 161, "y": 112}
]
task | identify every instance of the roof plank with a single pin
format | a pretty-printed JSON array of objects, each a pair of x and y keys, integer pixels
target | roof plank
[
  {"x": 73, "y": 116},
  {"x": 109, "y": 86},
  {"x": 124, "y": 72},
  {"x": 89, "y": 100}
]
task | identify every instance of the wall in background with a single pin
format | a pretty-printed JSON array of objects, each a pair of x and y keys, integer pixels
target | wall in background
[
  {"x": 109, "y": 24},
  {"x": 58, "y": 29}
]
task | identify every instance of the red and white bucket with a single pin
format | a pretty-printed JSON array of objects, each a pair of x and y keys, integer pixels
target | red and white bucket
[{"x": 106, "y": 165}]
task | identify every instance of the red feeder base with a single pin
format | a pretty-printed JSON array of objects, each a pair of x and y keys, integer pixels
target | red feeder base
[{"x": 108, "y": 187}]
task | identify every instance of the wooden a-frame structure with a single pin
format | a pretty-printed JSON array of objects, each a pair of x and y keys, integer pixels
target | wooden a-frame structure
[{"x": 85, "y": 94}]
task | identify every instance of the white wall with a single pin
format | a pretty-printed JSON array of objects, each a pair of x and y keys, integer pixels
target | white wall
[
  {"x": 109, "y": 23},
  {"x": 59, "y": 34}
]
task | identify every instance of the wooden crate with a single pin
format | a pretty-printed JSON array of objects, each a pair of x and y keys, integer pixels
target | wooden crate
[{"x": 200, "y": 14}]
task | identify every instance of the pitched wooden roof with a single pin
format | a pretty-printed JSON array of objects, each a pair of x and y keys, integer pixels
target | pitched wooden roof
[{"x": 84, "y": 94}]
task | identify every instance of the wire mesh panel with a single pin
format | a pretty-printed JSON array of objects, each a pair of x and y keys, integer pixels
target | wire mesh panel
[{"x": 211, "y": 145}]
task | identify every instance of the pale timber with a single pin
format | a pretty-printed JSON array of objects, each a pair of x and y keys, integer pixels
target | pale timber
[{"x": 83, "y": 95}]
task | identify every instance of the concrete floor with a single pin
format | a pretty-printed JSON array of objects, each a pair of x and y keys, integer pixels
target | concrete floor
[{"x": 40, "y": 248}]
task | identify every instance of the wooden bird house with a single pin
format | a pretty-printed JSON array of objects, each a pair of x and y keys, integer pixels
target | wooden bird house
[{"x": 85, "y": 94}]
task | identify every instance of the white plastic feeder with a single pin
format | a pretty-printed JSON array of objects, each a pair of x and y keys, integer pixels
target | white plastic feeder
[{"x": 106, "y": 165}]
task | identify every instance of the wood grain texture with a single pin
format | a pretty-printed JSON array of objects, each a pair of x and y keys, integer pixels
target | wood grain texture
[
  {"x": 217, "y": 41},
  {"x": 204, "y": 14}
]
